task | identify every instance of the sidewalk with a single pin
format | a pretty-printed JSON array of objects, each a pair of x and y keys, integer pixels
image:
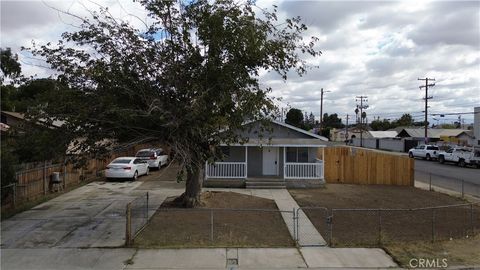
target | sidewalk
[{"x": 206, "y": 258}]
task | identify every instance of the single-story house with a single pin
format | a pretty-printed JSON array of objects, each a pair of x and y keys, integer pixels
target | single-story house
[
  {"x": 432, "y": 133},
  {"x": 282, "y": 156}
]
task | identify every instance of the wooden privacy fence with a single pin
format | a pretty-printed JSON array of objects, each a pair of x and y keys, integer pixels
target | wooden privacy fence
[
  {"x": 350, "y": 165},
  {"x": 36, "y": 182}
]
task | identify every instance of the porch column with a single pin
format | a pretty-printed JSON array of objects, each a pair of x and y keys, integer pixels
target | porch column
[
  {"x": 284, "y": 161},
  {"x": 246, "y": 161}
]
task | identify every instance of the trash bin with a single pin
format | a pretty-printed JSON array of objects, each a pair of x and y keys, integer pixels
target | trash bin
[{"x": 56, "y": 178}]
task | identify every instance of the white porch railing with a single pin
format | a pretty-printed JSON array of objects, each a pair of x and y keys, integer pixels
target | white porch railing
[
  {"x": 226, "y": 170},
  {"x": 304, "y": 170}
]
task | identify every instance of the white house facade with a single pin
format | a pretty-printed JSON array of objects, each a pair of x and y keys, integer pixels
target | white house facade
[{"x": 283, "y": 156}]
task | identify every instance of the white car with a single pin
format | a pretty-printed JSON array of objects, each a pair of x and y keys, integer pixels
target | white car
[
  {"x": 127, "y": 168},
  {"x": 427, "y": 152},
  {"x": 156, "y": 157}
]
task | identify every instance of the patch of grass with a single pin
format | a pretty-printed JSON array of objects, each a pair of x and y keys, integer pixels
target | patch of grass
[{"x": 461, "y": 252}]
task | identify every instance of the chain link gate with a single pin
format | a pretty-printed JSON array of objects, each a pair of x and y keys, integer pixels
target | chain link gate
[{"x": 313, "y": 226}]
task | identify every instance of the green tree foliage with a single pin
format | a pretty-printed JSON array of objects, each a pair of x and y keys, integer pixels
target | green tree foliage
[
  {"x": 404, "y": 121},
  {"x": 9, "y": 64},
  {"x": 193, "y": 72},
  {"x": 381, "y": 124},
  {"x": 332, "y": 121},
  {"x": 10, "y": 68},
  {"x": 294, "y": 117}
]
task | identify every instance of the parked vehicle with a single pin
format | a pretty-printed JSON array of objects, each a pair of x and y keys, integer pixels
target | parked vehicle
[
  {"x": 126, "y": 168},
  {"x": 425, "y": 151},
  {"x": 461, "y": 156},
  {"x": 156, "y": 157}
]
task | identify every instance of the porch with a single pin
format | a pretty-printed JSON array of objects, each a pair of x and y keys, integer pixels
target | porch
[{"x": 282, "y": 163}]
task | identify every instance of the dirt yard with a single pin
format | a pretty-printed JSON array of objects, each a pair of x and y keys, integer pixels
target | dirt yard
[
  {"x": 465, "y": 252},
  {"x": 175, "y": 227},
  {"x": 375, "y": 228}
]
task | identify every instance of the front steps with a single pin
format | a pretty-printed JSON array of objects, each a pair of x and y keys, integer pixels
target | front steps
[{"x": 265, "y": 183}]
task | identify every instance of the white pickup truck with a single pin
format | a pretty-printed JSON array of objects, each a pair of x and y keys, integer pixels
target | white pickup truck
[
  {"x": 425, "y": 151},
  {"x": 461, "y": 156}
]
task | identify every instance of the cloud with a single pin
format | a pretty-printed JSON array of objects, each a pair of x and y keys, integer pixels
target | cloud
[
  {"x": 18, "y": 16},
  {"x": 369, "y": 48},
  {"x": 328, "y": 15}
]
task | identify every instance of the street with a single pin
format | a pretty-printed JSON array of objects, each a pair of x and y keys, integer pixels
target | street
[{"x": 448, "y": 176}]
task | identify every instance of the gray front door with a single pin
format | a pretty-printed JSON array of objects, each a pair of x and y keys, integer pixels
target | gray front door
[{"x": 270, "y": 161}]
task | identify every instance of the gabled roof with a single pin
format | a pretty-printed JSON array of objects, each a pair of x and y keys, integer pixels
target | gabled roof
[
  {"x": 21, "y": 116},
  {"x": 313, "y": 135},
  {"x": 432, "y": 133},
  {"x": 383, "y": 134}
]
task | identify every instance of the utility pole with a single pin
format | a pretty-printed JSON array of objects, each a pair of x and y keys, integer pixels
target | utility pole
[
  {"x": 426, "y": 102},
  {"x": 361, "y": 107},
  {"x": 321, "y": 107}
]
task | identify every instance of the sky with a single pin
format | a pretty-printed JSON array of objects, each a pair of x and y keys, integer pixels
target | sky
[{"x": 376, "y": 49}]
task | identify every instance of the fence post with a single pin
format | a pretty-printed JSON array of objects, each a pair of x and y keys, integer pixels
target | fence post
[
  {"x": 128, "y": 230},
  {"x": 295, "y": 225},
  {"x": 331, "y": 229},
  {"x": 14, "y": 194},
  {"x": 211, "y": 225},
  {"x": 45, "y": 177},
  {"x": 433, "y": 224},
  {"x": 147, "y": 208},
  {"x": 64, "y": 176},
  {"x": 379, "y": 226}
]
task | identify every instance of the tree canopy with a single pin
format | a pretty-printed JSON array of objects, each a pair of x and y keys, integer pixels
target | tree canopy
[
  {"x": 193, "y": 72},
  {"x": 294, "y": 117}
]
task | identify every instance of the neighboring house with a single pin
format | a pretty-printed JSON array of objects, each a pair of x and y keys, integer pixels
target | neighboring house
[
  {"x": 17, "y": 120},
  {"x": 283, "y": 156},
  {"x": 12, "y": 119},
  {"x": 433, "y": 135},
  {"x": 340, "y": 135}
]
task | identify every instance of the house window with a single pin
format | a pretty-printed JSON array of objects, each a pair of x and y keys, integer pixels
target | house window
[
  {"x": 291, "y": 154},
  {"x": 302, "y": 154},
  {"x": 297, "y": 154}
]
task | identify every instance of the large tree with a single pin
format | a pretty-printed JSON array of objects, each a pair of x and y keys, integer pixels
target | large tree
[
  {"x": 193, "y": 72},
  {"x": 294, "y": 117}
]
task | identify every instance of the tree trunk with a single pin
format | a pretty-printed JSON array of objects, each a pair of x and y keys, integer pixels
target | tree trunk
[{"x": 193, "y": 189}]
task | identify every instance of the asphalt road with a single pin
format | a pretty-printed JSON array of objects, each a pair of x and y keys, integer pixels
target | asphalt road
[{"x": 448, "y": 176}]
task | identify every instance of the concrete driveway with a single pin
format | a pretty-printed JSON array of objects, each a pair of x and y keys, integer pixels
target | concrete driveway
[{"x": 90, "y": 216}]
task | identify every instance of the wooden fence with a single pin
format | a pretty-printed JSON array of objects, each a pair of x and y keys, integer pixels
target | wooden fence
[
  {"x": 349, "y": 165},
  {"x": 35, "y": 183}
]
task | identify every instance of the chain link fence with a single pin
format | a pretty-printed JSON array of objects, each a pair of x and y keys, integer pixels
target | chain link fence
[
  {"x": 176, "y": 227},
  {"x": 374, "y": 227},
  {"x": 461, "y": 186},
  {"x": 136, "y": 217}
]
